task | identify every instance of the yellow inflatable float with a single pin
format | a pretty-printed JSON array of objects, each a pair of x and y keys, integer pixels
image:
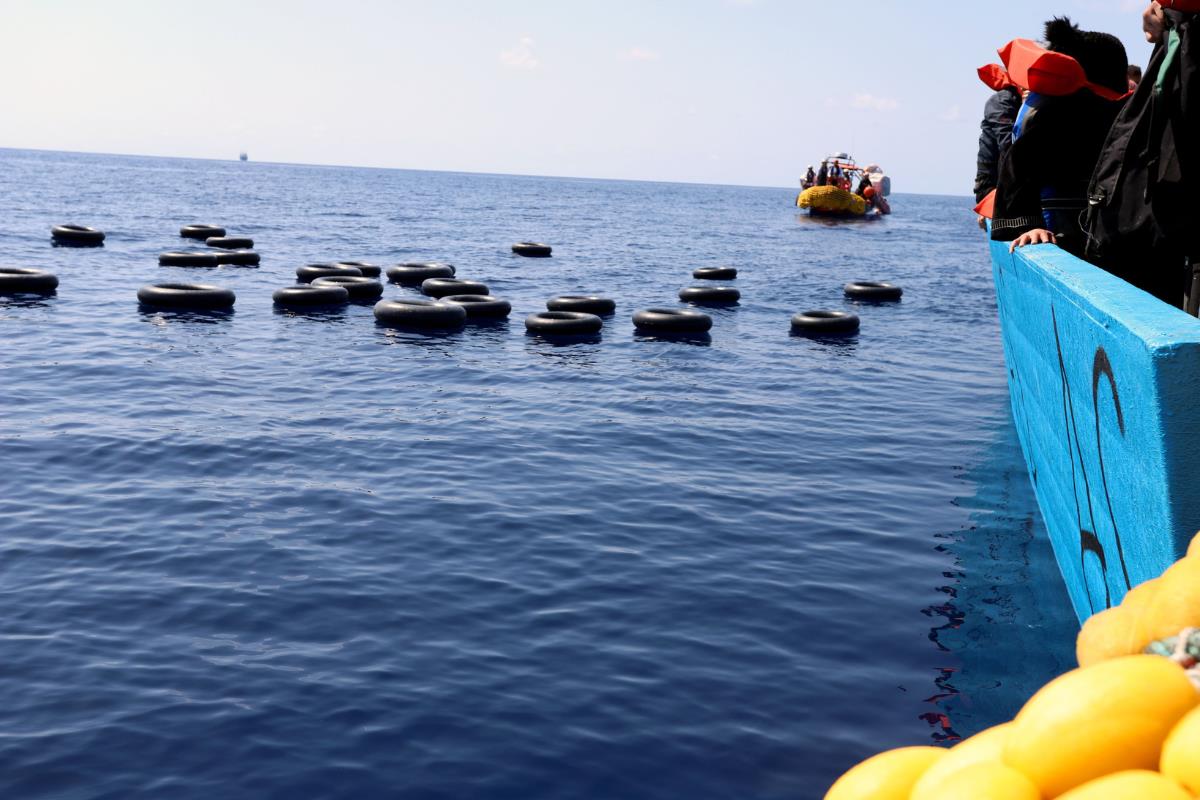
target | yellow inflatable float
[{"x": 831, "y": 200}]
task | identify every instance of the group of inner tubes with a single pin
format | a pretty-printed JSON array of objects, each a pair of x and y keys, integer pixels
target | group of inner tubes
[
  {"x": 843, "y": 323},
  {"x": 232, "y": 250},
  {"x": 452, "y": 302}
]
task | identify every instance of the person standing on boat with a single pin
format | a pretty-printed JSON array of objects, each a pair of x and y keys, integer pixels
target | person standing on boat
[
  {"x": 995, "y": 136},
  {"x": 1042, "y": 182},
  {"x": 1143, "y": 200},
  {"x": 823, "y": 174}
]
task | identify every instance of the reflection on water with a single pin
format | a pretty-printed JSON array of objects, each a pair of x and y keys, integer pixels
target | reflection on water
[
  {"x": 563, "y": 340},
  {"x": 164, "y": 316},
  {"x": 430, "y": 339},
  {"x": 825, "y": 338},
  {"x": 321, "y": 314},
  {"x": 26, "y": 300},
  {"x": 697, "y": 339},
  {"x": 1004, "y": 625},
  {"x": 833, "y": 222}
]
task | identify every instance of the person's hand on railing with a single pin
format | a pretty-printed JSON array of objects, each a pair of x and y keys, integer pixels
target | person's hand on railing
[{"x": 1035, "y": 236}]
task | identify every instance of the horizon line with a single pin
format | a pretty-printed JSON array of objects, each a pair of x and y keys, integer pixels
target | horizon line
[{"x": 417, "y": 169}]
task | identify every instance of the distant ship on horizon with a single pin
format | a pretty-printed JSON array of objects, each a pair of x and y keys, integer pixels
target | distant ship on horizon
[{"x": 243, "y": 157}]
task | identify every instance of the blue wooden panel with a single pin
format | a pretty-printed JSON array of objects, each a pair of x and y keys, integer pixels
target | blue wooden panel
[{"x": 1105, "y": 386}]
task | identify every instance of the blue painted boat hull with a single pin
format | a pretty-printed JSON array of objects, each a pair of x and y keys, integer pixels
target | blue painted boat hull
[{"x": 1105, "y": 388}]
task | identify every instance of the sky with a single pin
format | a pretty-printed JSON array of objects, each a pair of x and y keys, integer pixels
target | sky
[{"x": 707, "y": 91}]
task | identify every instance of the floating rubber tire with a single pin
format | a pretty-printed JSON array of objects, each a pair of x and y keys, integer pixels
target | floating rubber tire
[
  {"x": 309, "y": 296},
  {"x": 672, "y": 320},
  {"x": 443, "y": 287},
  {"x": 564, "y": 323},
  {"x": 710, "y": 295},
  {"x": 532, "y": 249},
  {"x": 368, "y": 270},
  {"x": 78, "y": 235},
  {"x": 424, "y": 314},
  {"x": 481, "y": 306},
  {"x": 186, "y": 295},
  {"x": 359, "y": 287},
  {"x": 19, "y": 280},
  {"x": 415, "y": 273},
  {"x": 825, "y": 323},
  {"x": 230, "y": 242},
  {"x": 240, "y": 258},
  {"x": 587, "y": 303},
  {"x": 310, "y": 272},
  {"x": 187, "y": 260},
  {"x": 201, "y": 232},
  {"x": 715, "y": 273},
  {"x": 873, "y": 290}
]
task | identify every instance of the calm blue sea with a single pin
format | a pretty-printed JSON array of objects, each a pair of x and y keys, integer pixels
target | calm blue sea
[{"x": 266, "y": 555}]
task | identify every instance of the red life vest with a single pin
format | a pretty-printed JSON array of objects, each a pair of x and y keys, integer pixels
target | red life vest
[{"x": 1029, "y": 66}]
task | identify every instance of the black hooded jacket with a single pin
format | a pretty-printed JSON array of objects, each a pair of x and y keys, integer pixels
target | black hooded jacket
[{"x": 1052, "y": 160}]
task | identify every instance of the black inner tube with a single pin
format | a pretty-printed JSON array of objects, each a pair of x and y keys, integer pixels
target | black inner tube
[
  {"x": 229, "y": 242},
  {"x": 185, "y": 259},
  {"x": 201, "y": 231},
  {"x": 307, "y": 295},
  {"x": 567, "y": 323},
  {"x": 427, "y": 314},
  {"x": 359, "y": 287},
  {"x": 368, "y": 270},
  {"x": 413, "y": 274},
  {"x": 715, "y": 273},
  {"x": 76, "y": 234},
  {"x": 823, "y": 321},
  {"x": 873, "y": 290},
  {"x": 20, "y": 280},
  {"x": 588, "y": 303},
  {"x": 480, "y": 305},
  {"x": 710, "y": 295},
  {"x": 672, "y": 320},
  {"x": 441, "y": 287},
  {"x": 534, "y": 249},
  {"x": 310, "y": 272},
  {"x": 239, "y": 258},
  {"x": 186, "y": 295}
]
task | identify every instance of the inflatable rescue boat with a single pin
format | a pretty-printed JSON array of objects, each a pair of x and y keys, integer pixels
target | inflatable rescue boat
[{"x": 832, "y": 192}]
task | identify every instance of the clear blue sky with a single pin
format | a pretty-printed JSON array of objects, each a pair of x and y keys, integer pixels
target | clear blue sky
[{"x": 718, "y": 91}]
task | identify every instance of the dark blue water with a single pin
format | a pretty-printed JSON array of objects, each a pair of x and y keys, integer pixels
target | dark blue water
[{"x": 266, "y": 555}]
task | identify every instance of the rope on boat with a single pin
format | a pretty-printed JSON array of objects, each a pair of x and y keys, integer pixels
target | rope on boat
[{"x": 1184, "y": 650}]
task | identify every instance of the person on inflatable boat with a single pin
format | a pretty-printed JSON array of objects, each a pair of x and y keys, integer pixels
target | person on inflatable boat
[{"x": 1074, "y": 89}]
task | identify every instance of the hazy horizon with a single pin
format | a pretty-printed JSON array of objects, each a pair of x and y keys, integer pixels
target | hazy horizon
[{"x": 446, "y": 171}]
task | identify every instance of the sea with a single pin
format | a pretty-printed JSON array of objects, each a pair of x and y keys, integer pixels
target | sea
[{"x": 268, "y": 554}]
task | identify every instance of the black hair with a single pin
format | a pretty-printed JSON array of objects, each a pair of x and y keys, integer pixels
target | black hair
[{"x": 1101, "y": 55}]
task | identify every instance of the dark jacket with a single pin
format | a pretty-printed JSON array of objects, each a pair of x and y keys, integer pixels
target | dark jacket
[
  {"x": 1144, "y": 193},
  {"x": 994, "y": 138},
  {"x": 1043, "y": 178}
]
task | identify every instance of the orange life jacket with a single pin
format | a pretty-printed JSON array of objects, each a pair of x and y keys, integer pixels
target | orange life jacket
[{"x": 1029, "y": 66}]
